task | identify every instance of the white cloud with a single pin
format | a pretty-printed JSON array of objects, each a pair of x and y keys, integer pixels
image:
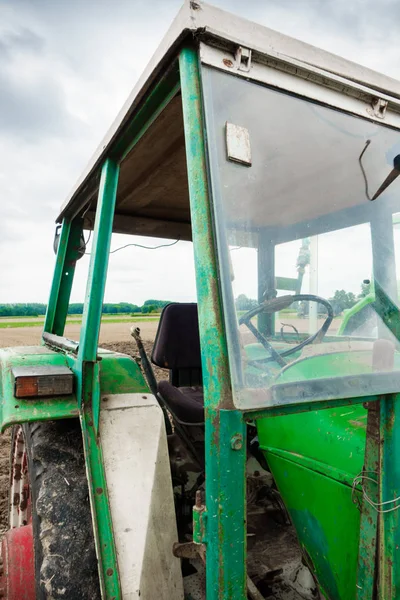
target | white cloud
[{"x": 66, "y": 69}]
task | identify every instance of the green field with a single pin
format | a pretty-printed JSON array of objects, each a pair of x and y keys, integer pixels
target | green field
[{"x": 12, "y": 322}]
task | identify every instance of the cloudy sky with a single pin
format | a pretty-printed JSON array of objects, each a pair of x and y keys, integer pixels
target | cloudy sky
[{"x": 66, "y": 68}]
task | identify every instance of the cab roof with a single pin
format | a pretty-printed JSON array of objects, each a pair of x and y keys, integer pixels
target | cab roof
[{"x": 152, "y": 196}]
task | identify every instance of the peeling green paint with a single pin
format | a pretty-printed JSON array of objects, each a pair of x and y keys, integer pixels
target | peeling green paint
[
  {"x": 366, "y": 573},
  {"x": 225, "y": 466},
  {"x": 87, "y": 370},
  {"x": 389, "y": 527}
]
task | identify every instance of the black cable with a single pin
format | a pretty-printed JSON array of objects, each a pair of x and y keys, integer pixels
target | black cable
[
  {"x": 146, "y": 247},
  {"x": 141, "y": 246},
  {"x": 363, "y": 170}
]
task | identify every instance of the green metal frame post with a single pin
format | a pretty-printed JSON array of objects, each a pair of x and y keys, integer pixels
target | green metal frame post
[
  {"x": 266, "y": 279},
  {"x": 67, "y": 255},
  {"x": 379, "y": 550},
  {"x": 389, "y": 530},
  {"x": 96, "y": 283},
  {"x": 367, "y": 548},
  {"x": 225, "y": 453},
  {"x": 89, "y": 385}
]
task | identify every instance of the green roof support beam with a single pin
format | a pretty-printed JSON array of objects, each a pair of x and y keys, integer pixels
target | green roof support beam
[
  {"x": 87, "y": 372},
  {"x": 67, "y": 255},
  {"x": 96, "y": 283}
]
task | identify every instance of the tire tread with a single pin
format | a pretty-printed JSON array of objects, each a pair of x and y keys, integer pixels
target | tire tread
[{"x": 65, "y": 557}]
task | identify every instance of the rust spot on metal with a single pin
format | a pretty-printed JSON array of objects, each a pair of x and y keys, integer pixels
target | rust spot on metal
[
  {"x": 99, "y": 490},
  {"x": 227, "y": 62},
  {"x": 213, "y": 417},
  {"x": 17, "y": 472},
  {"x": 237, "y": 441},
  {"x": 357, "y": 423},
  {"x": 24, "y": 501},
  {"x": 110, "y": 572},
  {"x": 388, "y": 578}
]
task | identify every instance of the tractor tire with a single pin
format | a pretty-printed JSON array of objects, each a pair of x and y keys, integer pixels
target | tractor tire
[{"x": 64, "y": 550}]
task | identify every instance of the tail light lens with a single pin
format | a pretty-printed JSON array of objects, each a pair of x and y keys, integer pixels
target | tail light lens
[{"x": 42, "y": 381}]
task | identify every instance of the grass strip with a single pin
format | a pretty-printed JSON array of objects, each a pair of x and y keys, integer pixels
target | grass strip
[{"x": 132, "y": 321}]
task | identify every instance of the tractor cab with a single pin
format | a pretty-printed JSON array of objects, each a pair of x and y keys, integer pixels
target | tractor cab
[{"x": 279, "y": 415}]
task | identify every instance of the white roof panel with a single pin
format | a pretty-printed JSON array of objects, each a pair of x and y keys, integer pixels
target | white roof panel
[{"x": 210, "y": 23}]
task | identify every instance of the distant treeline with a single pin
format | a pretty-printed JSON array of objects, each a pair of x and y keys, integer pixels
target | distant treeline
[{"x": 35, "y": 309}]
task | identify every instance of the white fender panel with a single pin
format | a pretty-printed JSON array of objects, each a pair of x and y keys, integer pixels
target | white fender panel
[{"x": 139, "y": 487}]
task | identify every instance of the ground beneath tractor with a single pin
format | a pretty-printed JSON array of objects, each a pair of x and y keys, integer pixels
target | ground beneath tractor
[{"x": 273, "y": 549}]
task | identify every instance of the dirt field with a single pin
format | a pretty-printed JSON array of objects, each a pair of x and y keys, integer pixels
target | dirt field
[{"x": 110, "y": 333}]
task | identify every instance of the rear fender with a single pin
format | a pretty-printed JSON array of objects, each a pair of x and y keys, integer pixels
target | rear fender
[
  {"x": 17, "y": 410},
  {"x": 119, "y": 373}
]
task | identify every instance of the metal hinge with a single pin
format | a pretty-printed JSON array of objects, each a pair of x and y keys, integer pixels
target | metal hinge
[
  {"x": 378, "y": 108},
  {"x": 243, "y": 59}
]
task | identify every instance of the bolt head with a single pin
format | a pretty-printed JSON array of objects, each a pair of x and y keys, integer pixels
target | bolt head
[{"x": 237, "y": 441}]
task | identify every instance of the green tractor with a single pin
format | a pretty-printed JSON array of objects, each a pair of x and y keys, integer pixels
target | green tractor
[{"x": 266, "y": 463}]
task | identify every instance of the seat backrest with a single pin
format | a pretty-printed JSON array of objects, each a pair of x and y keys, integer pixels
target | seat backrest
[{"x": 177, "y": 344}]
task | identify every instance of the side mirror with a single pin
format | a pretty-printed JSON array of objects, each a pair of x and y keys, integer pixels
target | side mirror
[
  {"x": 56, "y": 241},
  {"x": 56, "y": 238}
]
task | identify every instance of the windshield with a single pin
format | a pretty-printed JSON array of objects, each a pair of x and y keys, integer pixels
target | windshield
[{"x": 309, "y": 264}]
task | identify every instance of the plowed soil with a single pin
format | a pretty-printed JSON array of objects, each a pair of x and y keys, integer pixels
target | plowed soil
[{"x": 110, "y": 333}]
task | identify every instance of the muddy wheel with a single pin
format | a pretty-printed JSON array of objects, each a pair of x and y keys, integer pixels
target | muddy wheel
[{"x": 49, "y": 488}]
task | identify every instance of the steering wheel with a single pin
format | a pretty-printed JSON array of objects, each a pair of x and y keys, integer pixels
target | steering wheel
[{"x": 276, "y": 304}]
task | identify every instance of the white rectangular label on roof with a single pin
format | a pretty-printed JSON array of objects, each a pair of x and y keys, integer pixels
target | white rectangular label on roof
[{"x": 238, "y": 144}]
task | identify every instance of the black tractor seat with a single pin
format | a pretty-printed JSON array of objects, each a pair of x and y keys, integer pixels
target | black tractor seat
[
  {"x": 186, "y": 403},
  {"x": 177, "y": 348}
]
